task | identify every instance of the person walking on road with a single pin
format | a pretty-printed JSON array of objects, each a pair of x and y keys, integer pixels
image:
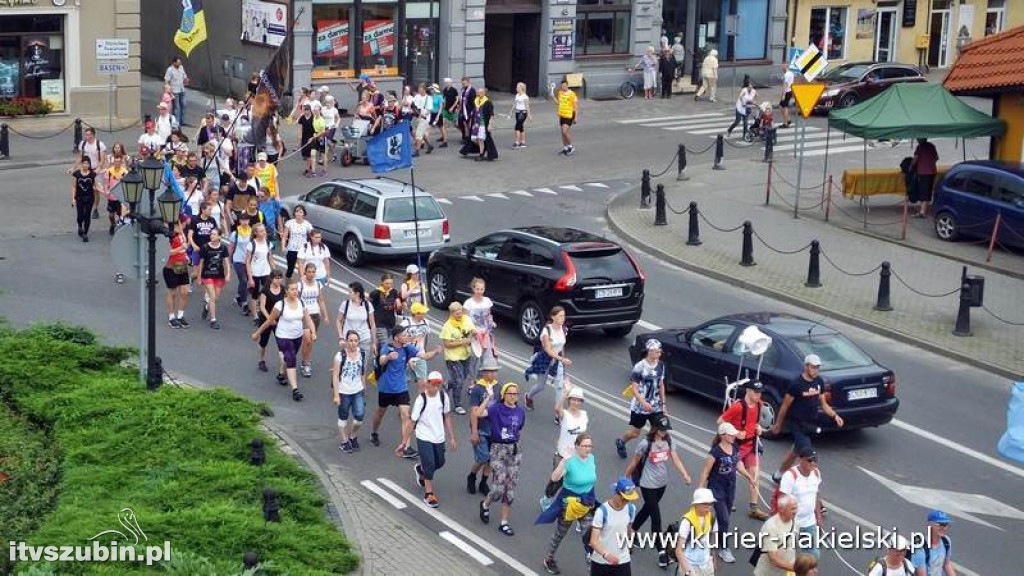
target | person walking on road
[
  {"x": 314, "y": 297},
  {"x": 176, "y": 278},
  {"x": 507, "y": 419},
  {"x": 317, "y": 253},
  {"x": 693, "y": 548},
  {"x": 745, "y": 99},
  {"x": 84, "y": 192},
  {"x": 568, "y": 114},
  {"x": 412, "y": 287},
  {"x": 480, "y": 393},
  {"x": 356, "y": 313},
  {"x": 417, "y": 328},
  {"x": 803, "y": 482},
  {"x": 432, "y": 424},
  {"x": 479, "y": 308},
  {"x": 294, "y": 237},
  {"x": 467, "y": 111},
  {"x": 240, "y": 241},
  {"x": 456, "y": 337},
  {"x": 611, "y": 531},
  {"x": 807, "y": 565},
  {"x": 550, "y": 361},
  {"x": 293, "y": 324},
  {"x": 272, "y": 293},
  {"x": 386, "y": 302},
  {"x": 257, "y": 265},
  {"x": 802, "y": 401},
  {"x": 648, "y": 468},
  {"x": 745, "y": 416},
  {"x": 935, "y": 557},
  {"x": 719, "y": 475},
  {"x": 215, "y": 272},
  {"x": 647, "y": 388},
  {"x": 393, "y": 387},
  {"x": 708, "y": 77},
  {"x": 924, "y": 165},
  {"x": 572, "y": 421},
  {"x": 575, "y": 500},
  {"x": 787, "y": 95},
  {"x": 895, "y": 561},
  {"x": 348, "y": 372},
  {"x": 778, "y": 539},
  {"x": 178, "y": 79}
]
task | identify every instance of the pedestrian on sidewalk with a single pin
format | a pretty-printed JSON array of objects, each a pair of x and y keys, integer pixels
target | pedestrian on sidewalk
[
  {"x": 802, "y": 401},
  {"x": 679, "y": 53},
  {"x": 745, "y": 99},
  {"x": 521, "y": 111},
  {"x": 467, "y": 111},
  {"x": 649, "y": 64},
  {"x": 306, "y": 139},
  {"x": 432, "y": 423},
  {"x": 693, "y": 548},
  {"x": 745, "y": 416},
  {"x": 935, "y": 557},
  {"x": 575, "y": 501},
  {"x": 926, "y": 157},
  {"x": 647, "y": 388},
  {"x": 482, "y": 124},
  {"x": 648, "y": 468},
  {"x": 480, "y": 394},
  {"x": 84, "y": 191},
  {"x": 572, "y": 421},
  {"x": 348, "y": 372},
  {"x": 568, "y": 114},
  {"x": 787, "y": 94},
  {"x": 803, "y": 482},
  {"x": 667, "y": 68},
  {"x": 708, "y": 76},
  {"x": 719, "y": 476},
  {"x": 506, "y": 420},
  {"x": 393, "y": 387},
  {"x": 778, "y": 538},
  {"x": 449, "y": 112},
  {"x": 314, "y": 297},
  {"x": 293, "y": 325},
  {"x": 611, "y": 531},
  {"x": 178, "y": 79},
  {"x": 457, "y": 337},
  {"x": 114, "y": 174},
  {"x": 550, "y": 362}
]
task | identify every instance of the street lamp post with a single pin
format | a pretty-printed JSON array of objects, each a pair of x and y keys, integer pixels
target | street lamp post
[{"x": 152, "y": 224}]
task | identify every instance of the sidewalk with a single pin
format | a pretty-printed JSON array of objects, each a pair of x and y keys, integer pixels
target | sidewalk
[{"x": 924, "y": 286}]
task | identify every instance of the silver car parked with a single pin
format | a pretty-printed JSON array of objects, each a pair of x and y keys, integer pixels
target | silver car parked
[{"x": 373, "y": 217}]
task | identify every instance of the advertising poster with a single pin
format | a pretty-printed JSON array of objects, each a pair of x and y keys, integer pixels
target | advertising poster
[
  {"x": 561, "y": 38},
  {"x": 36, "y": 56},
  {"x": 10, "y": 78},
  {"x": 52, "y": 91},
  {"x": 866, "y": 23},
  {"x": 264, "y": 22},
  {"x": 378, "y": 38},
  {"x": 332, "y": 38}
]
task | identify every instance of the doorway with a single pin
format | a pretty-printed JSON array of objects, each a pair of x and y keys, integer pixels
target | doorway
[
  {"x": 518, "y": 36},
  {"x": 939, "y": 30},
  {"x": 885, "y": 35}
]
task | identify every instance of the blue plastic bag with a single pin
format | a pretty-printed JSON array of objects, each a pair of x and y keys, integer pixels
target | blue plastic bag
[{"x": 1011, "y": 444}]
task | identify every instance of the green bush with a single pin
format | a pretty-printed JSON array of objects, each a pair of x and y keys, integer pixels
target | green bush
[{"x": 90, "y": 440}]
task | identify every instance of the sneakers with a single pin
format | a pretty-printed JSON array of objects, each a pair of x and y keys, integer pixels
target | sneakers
[
  {"x": 297, "y": 395},
  {"x": 460, "y": 410},
  {"x": 485, "y": 513},
  {"x": 173, "y": 323},
  {"x": 758, "y": 514},
  {"x": 354, "y": 442},
  {"x": 374, "y": 439},
  {"x": 214, "y": 324},
  {"x": 620, "y": 447},
  {"x": 206, "y": 311},
  {"x": 570, "y": 150},
  {"x": 345, "y": 447},
  {"x": 551, "y": 566},
  {"x": 663, "y": 559},
  {"x": 442, "y": 145},
  {"x": 282, "y": 379},
  {"x": 112, "y": 228},
  {"x": 725, "y": 555},
  {"x": 471, "y": 483},
  {"x": 183, "y": 323},
  {"x": 484, "y": 488},
  {"x": 431, "y": 500},
  {"x": 410, "y": 453},
  {"x": 85, "y": 237},
  {"x": 776, "y": 477},
  {"x": 95, "y": 213},
  {"x": 418, "y": 471},
  {"x": 262, "y": 366},
  {"x": 529, "y": 402}
]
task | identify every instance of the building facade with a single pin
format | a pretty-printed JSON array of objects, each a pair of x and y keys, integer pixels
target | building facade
[
  {"x": 920, "y": 32},
  {"x": 48, "y": 51}
]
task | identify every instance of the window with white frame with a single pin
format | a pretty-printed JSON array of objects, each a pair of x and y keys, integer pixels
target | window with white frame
[
  {"x": 828, "y": 31},
  {"x": 995, "y": 17}
]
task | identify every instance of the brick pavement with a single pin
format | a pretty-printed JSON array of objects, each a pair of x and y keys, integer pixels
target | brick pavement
[{"x": 728, "y": 198}]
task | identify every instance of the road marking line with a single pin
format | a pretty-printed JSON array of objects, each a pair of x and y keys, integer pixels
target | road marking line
[
  {"x": 471, "y": 197},
  {"x": 573, "y": 188},
  {"x": 648, "y": 325},
  {"x": 546, "y": 191},
  {"x": 691, "y": 128},
  {"x": 498, "y": 195},
  {"x": 522, "y": 193},
  {"x": 458, "y": 528},
  {"x": 683, "y": 117},
  {"x": 693, "y": 122},
  {"x": 839, "y": 150},
  {"x": 465, "y": 547},
  {"x": 444, "y": 201},
  {"x": 596, "y": 184},
  {"x": 832, "y": 144},
  {"x": 384, "y": 494}
]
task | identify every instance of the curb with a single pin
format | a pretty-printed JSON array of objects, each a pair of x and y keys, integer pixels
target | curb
[
  {"x": 789, "y": 299},
  {"x": 7, "y": 164}
]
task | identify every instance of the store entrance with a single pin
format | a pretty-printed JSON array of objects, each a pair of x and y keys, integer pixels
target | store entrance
[{"x": 518, "y": 36}]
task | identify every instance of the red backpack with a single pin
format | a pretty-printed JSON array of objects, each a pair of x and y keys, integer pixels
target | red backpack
[{"x": 777, "y": 493}]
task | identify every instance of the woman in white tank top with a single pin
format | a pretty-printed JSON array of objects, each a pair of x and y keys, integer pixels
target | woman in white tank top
[{"x": 315, "y": 299}]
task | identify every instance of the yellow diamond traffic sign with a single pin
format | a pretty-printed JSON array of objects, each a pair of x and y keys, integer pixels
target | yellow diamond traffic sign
[{"x": 806, "y": 96}]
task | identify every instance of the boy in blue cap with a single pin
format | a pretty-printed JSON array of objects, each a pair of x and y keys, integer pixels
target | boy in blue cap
[{"x": 934, "y": 558}]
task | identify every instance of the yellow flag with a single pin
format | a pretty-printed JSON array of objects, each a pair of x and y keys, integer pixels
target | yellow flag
[{"x": 192, "y": 30}]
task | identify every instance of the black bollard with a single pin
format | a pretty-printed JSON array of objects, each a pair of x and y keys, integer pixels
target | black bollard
[
  {"x": 78, "y": 133},
  {"x": 719, "y": 152},
  {"x": 814, "y": 266},
  {"x": 769, "y": 144},
  {"x": 271, "y": 506},
  {"x": 693, "y": 232},
  {"x": 645, "y": 189},
  {"x": 257, "y": 456},
  {"x": 5, "y": 141},
  {"x": 681, "y": 163},
  {"x": 659, "y": 206},
  {"x": 963, "y": 315},
  {"x": 250, "y": 560},
  {"x": 882, "y": 304},
  {"x": 747, "y": 258}
]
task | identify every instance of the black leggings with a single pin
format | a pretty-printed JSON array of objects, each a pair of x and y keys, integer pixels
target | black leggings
[
  {"x": 292, "y": 258},
  {"x": 652, "y": 510},
  {"x": 740, "y": 118},
  {"x": 83, "y": 211}
]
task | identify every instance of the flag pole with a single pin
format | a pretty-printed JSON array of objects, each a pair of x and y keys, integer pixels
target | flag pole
[{"x": 416, "y": 224}]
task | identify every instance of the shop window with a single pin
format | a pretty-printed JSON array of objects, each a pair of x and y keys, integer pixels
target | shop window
[
  {"x": 828, "y": 31},
  {"x": 995, "y": 17},
  {"x": 602, "y": 27},
  {"x": 332, "y": 40},
  {"x": 32, "y": 59},
  {"x": 380, "y": 53}
]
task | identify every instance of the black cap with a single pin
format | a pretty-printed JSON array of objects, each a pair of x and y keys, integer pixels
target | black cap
[
  {"x": 807, "y": 453},
  {"x": 754, "y": 385},
  {"x": 661, "y": 422}
]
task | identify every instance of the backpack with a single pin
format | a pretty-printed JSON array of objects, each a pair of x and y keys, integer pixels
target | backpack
[
  {"x": 743, "y": 417},
  {"x": 777, "y": 493},
  {"x": 908, "y": 566},
  {"x": 423, "y": 395},
  {"x": 946, "y": 544},
  {"x": 604, "y": 510},
  {"x": 638, "y": 470}
]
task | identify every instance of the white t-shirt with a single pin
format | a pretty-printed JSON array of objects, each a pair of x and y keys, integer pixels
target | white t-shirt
[
  {"x": 351, "y": 378},
  {"x": 298, "y": 234},
  {"x": 882, "y": 569},
  {"x": 92, "y": 151},
  {"x": 479, "y": 311},
  {"x": 152, "y": 141},
  {"x": 614, "y": 525},
  {"x": 568, "y": 429},
  {"x": 747, "y": 96},
  {"x": 289, "y": 324},
  {"x": 697, "y": 553},
  {"x": 216, "y": 211},
  {"x": 260, "y": 258},
  {"x": 194, "y": 199},
  {"x": 357, "y": 317},
  {"x": 430, "y": 418},
  {"x": 165, "y": 125},
  {"x": 330, "y": 114},
  {"x": 522, "y": 102},
  {"x": 316, "y": 255},
  {"x": 420, "y": 102},
  {"x": 556, "y": 336},
  {"x": 310, "y": 294},
  {"x": 805, "y": 490},
  {"x": 787, "y": 81}
]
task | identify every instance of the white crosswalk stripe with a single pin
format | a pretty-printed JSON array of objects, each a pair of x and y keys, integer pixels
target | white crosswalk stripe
[
  {"x": 522, "y": 193},
  {"x": 498, "y": 195}
]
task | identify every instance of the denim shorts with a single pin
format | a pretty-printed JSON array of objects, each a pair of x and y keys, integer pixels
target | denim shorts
[
  {"x": 482, "y": 451},
  {"x": 431, "y": 457},
  {"x": 356, "y": 403}
]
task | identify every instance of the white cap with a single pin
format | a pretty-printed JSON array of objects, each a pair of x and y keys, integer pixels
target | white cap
[
  {"x": 653, "y": 344},
  {"x": 325, "y": 89},
  {"x": 576, "y": 392},
  {"x": 412, "y": 269},
  {"x": 812, "y": 359},
  {"x": 447, "y": 80},
  {"x": 727, "y": 428},
  {"x": 902, "y": 543},
  {"x": 703, "y": 496},
  {"x": 435, "y": 376}
]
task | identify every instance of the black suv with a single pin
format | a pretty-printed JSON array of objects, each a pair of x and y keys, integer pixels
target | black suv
[{"x": 530, "y": 270}]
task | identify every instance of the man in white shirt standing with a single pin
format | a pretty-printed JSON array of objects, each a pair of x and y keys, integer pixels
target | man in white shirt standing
[
  {"x": 178, "y": 79},
  {"x": 787, "y": 95},
  {"x": 802, "y": 482}
]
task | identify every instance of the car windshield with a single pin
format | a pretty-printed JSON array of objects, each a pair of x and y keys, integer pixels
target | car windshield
[
  {"x": 845, "y": 73},
  {"x": 836, "y": 351},
  {"x": 611, "y": 263},
  {"x": 397, "y": 210}
]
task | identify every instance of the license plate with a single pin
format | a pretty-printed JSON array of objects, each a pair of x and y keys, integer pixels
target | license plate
[
  {"x": 862, "y": 394},
  {"x": 608, "y": 293},
  {"x": 412, "y": 233}
]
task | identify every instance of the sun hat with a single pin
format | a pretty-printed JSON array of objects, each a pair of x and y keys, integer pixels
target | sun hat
[
  {"x": 703, "y": 496},
  {"x": 652, "y": 344},
  {"x": 726, "y": 428},
  {"x": 576, "y": 392},
  {"x": 412, "y": 269},
  {"x": 418, "y": 308}
]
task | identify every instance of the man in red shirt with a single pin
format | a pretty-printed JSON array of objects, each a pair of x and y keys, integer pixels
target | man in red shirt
[
  {"x": 924, "y": 165},
  {"x": 745, "y": 415}
]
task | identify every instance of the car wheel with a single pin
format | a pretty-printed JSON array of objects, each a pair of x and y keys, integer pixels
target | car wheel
[
  {"x": 531, "y": 322},
  {"x": 353, "y": 251},
  {"x": 848, "y": 100},
  {"x": 618, "y": 331},
  {"x": 946, "y": 227},
  {"x": 439, "y": 287},
  {"x": 769, "y": 412}
]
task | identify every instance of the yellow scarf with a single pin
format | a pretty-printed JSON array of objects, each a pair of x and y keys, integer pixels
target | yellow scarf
[
  {"x": 480, "y": 101},
  {"x": 244, "y": 231},
  {"x": 701, "y": 524}
]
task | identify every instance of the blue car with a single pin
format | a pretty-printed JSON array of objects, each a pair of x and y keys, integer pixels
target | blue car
[{"x": 970, "y": 196}]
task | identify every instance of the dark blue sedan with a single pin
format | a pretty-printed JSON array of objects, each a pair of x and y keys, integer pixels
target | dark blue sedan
[{"x": 705, "y": 358}]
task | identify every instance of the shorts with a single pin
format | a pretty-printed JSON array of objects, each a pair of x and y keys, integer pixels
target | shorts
[
  {"x": 787, "y": 100},
  {"x": 259, "y": 284},
  {"x": 114, "y": 206},
  {"x": 562, "y": 121},
  {"x": 925, "y": 184},
  {"x": 418, "y": 370},
  {"x": 174, "y": 279},
  {"x": 421, "y": 128},
  {"x": 385, "y": 399},
  {"x": 482, "y": 451},
  {"x": 431, "y": 457},
  {"x": 638, "y": 420},
  {"x": 307, "y": 148},
  {"x": 354, "y": 403},
  {"x": 435, "y": 119},
  {"x": 597, "y": 569},
  {"x": 329, "y": 136},
  {"x": 316, "y": 321},
  {"x": 801, "y": 440},
  {"x": 506, "y": 461},
  {"x": 215, "y": 282},
  {"x": 447, "y": 116},
  {"x": 748, "y": 454}
]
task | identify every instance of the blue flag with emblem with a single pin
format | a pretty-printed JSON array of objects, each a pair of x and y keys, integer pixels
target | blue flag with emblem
[{"x": 391, "y": 149}]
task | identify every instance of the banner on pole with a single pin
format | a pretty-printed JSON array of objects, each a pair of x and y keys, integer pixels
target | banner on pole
[{"x": 390, "y": 150}]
